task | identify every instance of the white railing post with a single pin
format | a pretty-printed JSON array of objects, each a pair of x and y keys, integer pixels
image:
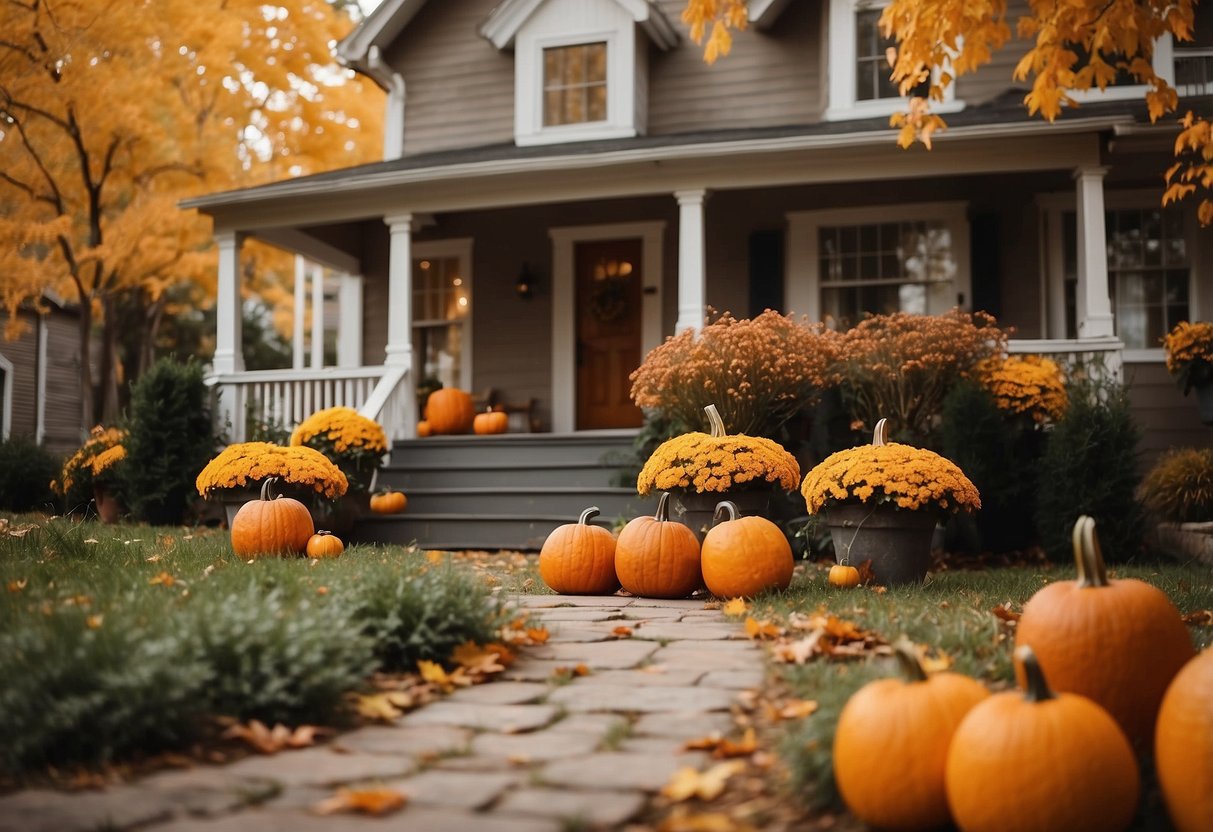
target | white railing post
[
  {"x": 1094, "y": 306},
  {"x": 399, "y": 350}
]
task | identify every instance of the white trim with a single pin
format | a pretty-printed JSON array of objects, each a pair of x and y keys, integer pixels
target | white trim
[
  {"x": 764, "y": 13},
  {"x": 299, "y": 299},
  {"x": 841, "y": 46},
  {"x": 40, "y": 379},
  {"x": 6, "y": 398},
  {"x": 802, "y": 280},
  {"x": 460, "y": 248},
  {"x": 692, "y": 260},
  {"x": 398, "y": 351},
  {"x": 229, "y": 325},
  {"x": 564, "y": 325},
  {"x": 379, "y": 27},
  {"x": 508, "y": 18},
  {"x": 317, "y": 278},
  {"x": 349, "y": 330}
]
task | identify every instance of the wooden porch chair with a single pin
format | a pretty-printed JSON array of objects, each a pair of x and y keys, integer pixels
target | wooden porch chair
[{"x": 521, "y": 414}]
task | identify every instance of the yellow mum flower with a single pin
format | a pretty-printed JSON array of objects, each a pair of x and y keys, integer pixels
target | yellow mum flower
[
  {"x": 1028, "y": 385},
  {"x": 248, "y": 462},
  {"x": 912, "y": 478}
]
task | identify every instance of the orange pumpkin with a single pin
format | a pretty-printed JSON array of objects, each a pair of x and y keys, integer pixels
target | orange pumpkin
[
  {"x": 1183, "y": 746},
  {"x": 423, "y": 429},
  {"x": 579, "y": 558},
  {"x": 491, "y": 421},
  {"x": 743, "y": 556},
  {"x": 1118, "y": 642},
  {"x": 1040, "y": 760},
  {"x": 449, "y": 411},
  {"x": 324, "y": 545},
  {"x": 388, "y": 502},
  {"x": 891, "y": 744},
  {"x": 844, "y": 576},
  {"x": 657, "y": 557},
  {"x": 271, "y": 525}
]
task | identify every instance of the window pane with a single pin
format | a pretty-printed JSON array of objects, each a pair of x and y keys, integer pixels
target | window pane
[
  {"x": 574, "y": 84},
  {"x": 1148, "y": 273}
]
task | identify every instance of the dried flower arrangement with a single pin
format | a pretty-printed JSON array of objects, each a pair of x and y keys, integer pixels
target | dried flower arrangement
[
  {"x": 760, "y": 372},
  {"x": 245, "y": 463},
  {"x": 1189, "y": 349},
  {"x": 1025, "y": 385},
  {"x": 353, "y": 442},
  {"x": 902, "y": 365},
  {"x": 913, "y": 479},
  {"x": 718, "y": 462}
]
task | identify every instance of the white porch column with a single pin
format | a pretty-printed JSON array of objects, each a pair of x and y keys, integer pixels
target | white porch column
[
  {"x": 692, "y": 274},
  {"x": 317, "y": 317},
  {"x": 229, "y": 325},
  {"x": 1093, "y": 305},
  {"x": 300, "y": 299},
  {"x": 399, "y": 349},
  {"x": 349, "y": 329}
]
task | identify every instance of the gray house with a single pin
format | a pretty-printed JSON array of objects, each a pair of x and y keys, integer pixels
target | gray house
[{"x": 565, "y": 183}]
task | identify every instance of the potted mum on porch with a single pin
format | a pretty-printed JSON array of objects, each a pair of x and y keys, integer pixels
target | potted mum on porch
[{"x": 882, "y": 502}]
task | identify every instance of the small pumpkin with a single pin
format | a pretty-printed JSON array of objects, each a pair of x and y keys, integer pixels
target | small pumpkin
[
  {"x": 891, "y": 744},
  {"x": 388, "y": 502},
  {"x": 1183, "y": 746},
  {"x": 1118, "y": 642},
  {"x": 491, "y": 421},
  {"x": 271, "y": 525},
  {"x": 424, "y": 429},
  {"x": 579, "y": 558},
  {"x": 657, "y": 557},
  {"x": 844, "y": 576},
  {"x": 449, "y": 410},
  {"x": 1040, "y": 760},
  {"x": 324, "y": 545},
  {"x": 743, "y": 556}
]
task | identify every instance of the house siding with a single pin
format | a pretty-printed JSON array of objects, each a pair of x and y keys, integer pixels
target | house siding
[
  {"x": 1167, "y": 419},
  {"x": 995, "y": 78},
  {"x": 62, "y": 427}
]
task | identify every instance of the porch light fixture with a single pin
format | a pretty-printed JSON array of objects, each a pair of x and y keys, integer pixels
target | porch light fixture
[{"x": 525, "y": 285}]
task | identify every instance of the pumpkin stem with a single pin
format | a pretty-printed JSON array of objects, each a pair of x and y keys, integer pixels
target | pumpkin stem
[
  {"x": 880, "y": 435},
  {"x": 584, "y": 519},
  {"x": 663, "y": 508},
  {"x": 1088, "y": 557},
  {"x": 1036, "y": 688},
  {"x": 907, "y": 659},
  {"x": 714, "y": 420},
  {"x": 266, "y": 492},
  {"x": 725, "y": 507}
]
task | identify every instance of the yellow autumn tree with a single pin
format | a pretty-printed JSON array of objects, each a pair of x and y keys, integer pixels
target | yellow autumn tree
[
  {"x": 1068, "y": 46},
  {"x": 111, "y": 111}
]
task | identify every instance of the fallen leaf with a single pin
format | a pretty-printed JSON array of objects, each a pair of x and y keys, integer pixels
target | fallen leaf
[
  {"x": 153, "y": 559},
  {"x": 477, "y": 660},
  {"x": 737, "y": 606},
  {"x": 797, "y": 709},
  {"x": 866, "y": 575},
  {"x": 17, "y": 585},
  {"x": 722, "y": 748},
  {"x": 91, "y": 540},
  {"x": 385, "y": 707},
  {"x": 93, "y": 622},
  {"x": 368, "y": 801},
  {"x": 622, "y": 632},
  {"x": 272, "y": 740},
  {"x": 703, "y": 822},
  {"x": 1004, "y": 613},
  {"x": 434, "y": 673},
  {"x": 163, "y": 579},
  {"x": 707, "y": 743},
  {"x": 687, "y": 782},
  {"x": 761, "y": 629},
  {"x": 564, "y": 674},
  {"x": 799, "y": 651},
  {"x": 1200, "y": 618}
]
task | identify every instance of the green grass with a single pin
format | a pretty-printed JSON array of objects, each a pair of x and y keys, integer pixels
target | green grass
[
  {"x": 118, "y": 641},
  {"x": 951, "y": 613}
]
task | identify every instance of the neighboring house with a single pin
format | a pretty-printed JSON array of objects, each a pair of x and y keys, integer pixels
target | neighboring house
[
  {"x": 40, "y": 379},
  {"x": 566, "y": 183}
]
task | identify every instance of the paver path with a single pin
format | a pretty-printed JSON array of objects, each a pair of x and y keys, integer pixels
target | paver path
[{"x": 522, "y": 753}]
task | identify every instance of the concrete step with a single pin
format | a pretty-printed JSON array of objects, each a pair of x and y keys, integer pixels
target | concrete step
[
  {"x": 529, "y": 501},
  {"x": 462, "y": 473},
  {"x": 590, "y": 447}
]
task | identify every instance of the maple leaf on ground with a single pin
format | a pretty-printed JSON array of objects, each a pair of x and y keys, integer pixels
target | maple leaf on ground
[
  {"x": 272, "y": 740},
  {"x": 367, "y": 801},
  {"x": 621, "y": 632},
  {"x": 384, "y": 707},
  {"x": 565, "y": 674},
  {"x": 722, "y": 748},
  {"x": 688, "y": 782},
  {"x": 761, "y": 629},
  {"x": 795, "y": 709},
  {"x": 477, "y": 660},
  {"x": 735, "y": 607},
  {"x": 434, "y": 673},
  {"x": 703, "y": 822},
  {"x": 1003, "y": 612}
]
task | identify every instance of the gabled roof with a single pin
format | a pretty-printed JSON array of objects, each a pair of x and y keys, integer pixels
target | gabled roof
[
  {"x": 764, "y": 12},
  {"x": 379, "y": 29},
  {"x": 505, "y": 21}
]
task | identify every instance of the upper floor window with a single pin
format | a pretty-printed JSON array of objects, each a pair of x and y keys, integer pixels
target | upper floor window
[
  {"x": 574, "y": 84},
  {"x": 871, "y": 58}
]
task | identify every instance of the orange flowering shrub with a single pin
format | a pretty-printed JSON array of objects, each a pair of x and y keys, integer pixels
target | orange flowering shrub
[
  {"x": 1189, "y": 349},
  {"x": 902, "y": 365},
  {"x": 94, "y": 461},
  {"x": 759, "y": 372},
  {"x": 911, "y": 478},
  {"x": 1027, "y": 385},
  {"x": 244, "y": 463},
  {"x": 701, "y": 462},
  {"x": 353, "y": 442}
]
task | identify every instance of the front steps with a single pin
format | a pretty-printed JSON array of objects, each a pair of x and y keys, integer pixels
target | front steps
[{"x": 506, "y": 491}]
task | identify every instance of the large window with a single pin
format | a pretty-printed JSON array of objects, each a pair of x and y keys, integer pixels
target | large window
[
  {"x": 442, "y": 313},
  {"x": 871, "y": 62},
  {"x": 848, "y": 262},
  {"x": 574, "y": 84}
]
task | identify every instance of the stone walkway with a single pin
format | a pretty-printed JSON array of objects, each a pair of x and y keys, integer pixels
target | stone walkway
[{"x": 523, "y": 753}]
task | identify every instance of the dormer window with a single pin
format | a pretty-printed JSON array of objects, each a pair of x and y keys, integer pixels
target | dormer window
[{"x": 574, "y": 84}]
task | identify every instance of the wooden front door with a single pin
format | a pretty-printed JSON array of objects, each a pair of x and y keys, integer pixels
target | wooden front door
[{"x": 608, "y": 304}]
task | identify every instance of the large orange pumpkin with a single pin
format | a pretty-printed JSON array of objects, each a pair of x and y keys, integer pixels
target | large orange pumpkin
[
  {"x": 271, "y": 525},
  {"x": 1183, "y": 746},
  {"x": 491, "y": 421},
  {"x": 1118, "y": 642},
  {"x": 1041, "y": 761},
  {"x": 891, "y": 744},
  {"x": 743, "y": 556},
  {"x": 579, "y": 558},
  {"x": 449, "y": 410},
  {"x": 657, "y": 557}
]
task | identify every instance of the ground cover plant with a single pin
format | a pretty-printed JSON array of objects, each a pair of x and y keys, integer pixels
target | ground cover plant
[{"x": 120, "y": 641}]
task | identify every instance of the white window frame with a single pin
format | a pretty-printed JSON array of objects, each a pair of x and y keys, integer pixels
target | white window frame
[
  {"x": 1164, "y": 67},
  {"x": 1053, "y": 208},
  {"x": 842, "y": 104},
  {"x": 460, "y": 248},
  {"x": 802, "y": 279},
  {"x": 6, "y": 398}
]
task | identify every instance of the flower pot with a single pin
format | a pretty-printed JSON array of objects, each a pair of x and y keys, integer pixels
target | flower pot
[
  {"x": 233, "y": 498},
  {"x": 109, "y": 507},
  {"x": 897, "y": 542},
  {"x": 696, "y": 508}
]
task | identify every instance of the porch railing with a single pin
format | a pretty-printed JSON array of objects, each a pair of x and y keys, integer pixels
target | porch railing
[
  {"x": 1091, "y": 357},
  {"x": 257, "y": 403}
]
